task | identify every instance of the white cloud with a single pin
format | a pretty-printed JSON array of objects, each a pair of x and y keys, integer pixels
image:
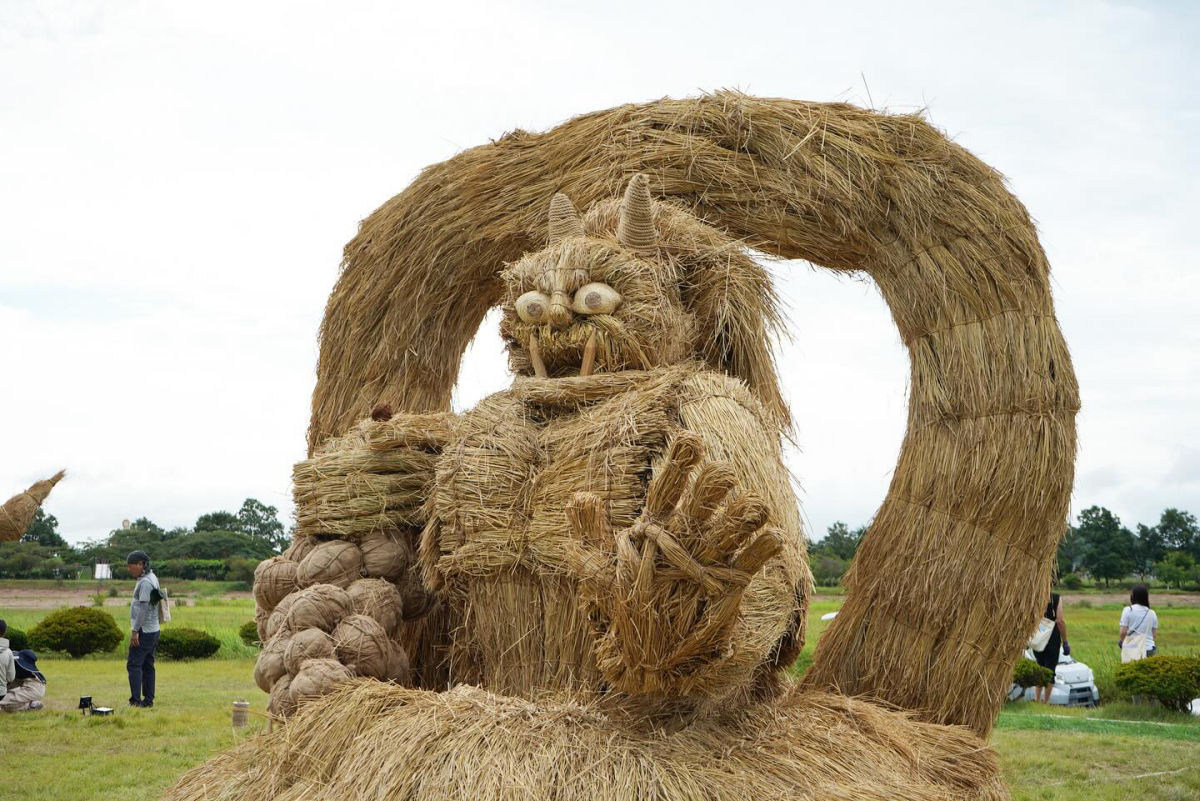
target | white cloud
[{"x": 178, "y": 180}]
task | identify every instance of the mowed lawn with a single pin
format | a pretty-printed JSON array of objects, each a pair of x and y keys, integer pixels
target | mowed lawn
[{"x": 60, "y": 754}]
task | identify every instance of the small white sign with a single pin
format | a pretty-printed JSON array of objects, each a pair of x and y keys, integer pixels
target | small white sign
[{"x": 103, "y": 571}]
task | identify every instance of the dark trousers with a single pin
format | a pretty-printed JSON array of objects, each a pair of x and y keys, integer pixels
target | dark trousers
[{"x": 140, "y": 665}]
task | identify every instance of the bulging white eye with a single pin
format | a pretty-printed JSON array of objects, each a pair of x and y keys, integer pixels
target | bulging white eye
[
  {"x": 533, "y": 307},
  {"x": 596, "y": 299}
]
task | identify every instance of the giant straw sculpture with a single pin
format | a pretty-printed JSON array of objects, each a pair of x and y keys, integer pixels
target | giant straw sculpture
[{"x": 595, "y": 580}]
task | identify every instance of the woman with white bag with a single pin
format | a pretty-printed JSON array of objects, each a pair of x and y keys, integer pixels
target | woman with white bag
[
  {"x": 1049, "y": 639},
  {"x": 1139, "y": 626}
]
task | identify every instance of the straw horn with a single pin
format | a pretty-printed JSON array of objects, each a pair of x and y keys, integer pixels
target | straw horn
[
  {"x": 635, "y": 230},
  {"x": 564, "y": 219}
]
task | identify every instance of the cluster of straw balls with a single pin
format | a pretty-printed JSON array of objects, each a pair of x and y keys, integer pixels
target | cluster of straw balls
[{"x": 329, "y": 611}]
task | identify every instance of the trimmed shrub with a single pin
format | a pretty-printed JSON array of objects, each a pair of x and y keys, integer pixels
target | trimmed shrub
[
  {"x": 78, "y": 630},
  {"x": 1071, "y": 581},
  {"x": 17, "y": 639},
  {"x": 185, "y": 643},
  {"x": 1173, "y": 680},
  {"x": 248, "y": 631},
  {"x": 1028, "y": 673}
]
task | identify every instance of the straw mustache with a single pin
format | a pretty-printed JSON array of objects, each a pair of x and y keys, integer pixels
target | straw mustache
[{"x": 596, "y": 347}]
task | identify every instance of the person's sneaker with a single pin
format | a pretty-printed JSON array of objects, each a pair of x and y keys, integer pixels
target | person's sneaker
[
  {"x": 136, "y": 703},
  {"x": 147, "y": 704},
  {"x": 35, "y": 705}
]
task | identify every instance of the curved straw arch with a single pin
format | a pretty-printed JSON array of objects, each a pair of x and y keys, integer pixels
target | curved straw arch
[{"x": 950, "y": 576}]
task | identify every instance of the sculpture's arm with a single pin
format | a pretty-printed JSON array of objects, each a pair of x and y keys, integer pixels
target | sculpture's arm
[{"x": 359, "y": 509}]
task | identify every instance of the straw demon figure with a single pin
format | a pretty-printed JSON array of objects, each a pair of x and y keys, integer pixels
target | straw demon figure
[{"x": 592, "y": 585}]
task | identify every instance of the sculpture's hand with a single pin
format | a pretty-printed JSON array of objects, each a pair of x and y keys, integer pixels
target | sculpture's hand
[{"x": 679, "y": 572}]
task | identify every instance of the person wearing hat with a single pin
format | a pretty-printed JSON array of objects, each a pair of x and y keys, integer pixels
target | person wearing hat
[
  {"x": 28, "y": 687},
  {"x": 143, "y": 630}
]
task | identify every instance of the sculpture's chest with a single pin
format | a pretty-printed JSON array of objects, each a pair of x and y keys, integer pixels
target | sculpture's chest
[{"x": 509, "y": 477}]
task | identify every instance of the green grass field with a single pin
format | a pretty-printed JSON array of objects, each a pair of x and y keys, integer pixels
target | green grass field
[{"x": 1046, "y": 753}]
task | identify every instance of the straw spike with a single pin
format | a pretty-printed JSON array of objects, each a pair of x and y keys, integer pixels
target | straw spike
[
  {"x": 17, "y": 513},
  {"x": 564, "y": 219},
  {"x": 636, "y": 227}
]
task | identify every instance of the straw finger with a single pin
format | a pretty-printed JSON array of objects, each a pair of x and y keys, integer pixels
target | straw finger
[{"x": 669, "y": 482}]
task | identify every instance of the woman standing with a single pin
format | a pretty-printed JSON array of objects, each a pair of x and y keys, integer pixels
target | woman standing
[
  {"x": 1048, "y": 656},
  {"x": 1139, "y": 626}
]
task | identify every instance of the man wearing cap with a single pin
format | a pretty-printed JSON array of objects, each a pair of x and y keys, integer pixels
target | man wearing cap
[
  {"x": 27, "y": 688},
  {"x": 143, "y": 630}
]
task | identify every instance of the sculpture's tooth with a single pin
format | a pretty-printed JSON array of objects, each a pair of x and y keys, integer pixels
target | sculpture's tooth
[
  {"x": 535, "y": 355},
  {"x": 589, "y": 356}
]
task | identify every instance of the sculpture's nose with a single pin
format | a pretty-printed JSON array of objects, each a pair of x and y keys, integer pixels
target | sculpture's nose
[{"x": 560, "y": 310}]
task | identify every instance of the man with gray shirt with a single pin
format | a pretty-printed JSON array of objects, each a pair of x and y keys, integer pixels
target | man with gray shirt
[{"x": 143, "y": 630}]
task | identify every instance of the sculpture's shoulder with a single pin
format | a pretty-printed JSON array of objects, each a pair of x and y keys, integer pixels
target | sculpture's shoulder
[
  {"x": 705, "y": 393},
  {"x": 498, "y": 416}
]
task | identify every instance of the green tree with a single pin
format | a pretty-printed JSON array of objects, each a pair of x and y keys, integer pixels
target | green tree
[
  {"x": 839, "y": 541},
  {"x": 262, "y": 522},
  {"x": 828, "y": 569},
  {"x": 148, "y": 526},
  {"x": 43, "y": 530},
  {"x": 1175, "y": 568},
  {"x": 1148, "y": 549},
  {"x": 1108, "y": 546},
  {"x": 218, "y": 521},
  {"x": 1180, "y": 532},
  {"x": 1071, "y": 549},
  {"x": 215, "y": 545}
]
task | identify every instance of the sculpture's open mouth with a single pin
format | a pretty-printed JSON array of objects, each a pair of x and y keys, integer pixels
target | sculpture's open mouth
[{"x": 586, "y": 365}]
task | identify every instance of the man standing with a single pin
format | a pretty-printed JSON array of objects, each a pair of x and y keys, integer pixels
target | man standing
[{"x": 143, "y": 630}]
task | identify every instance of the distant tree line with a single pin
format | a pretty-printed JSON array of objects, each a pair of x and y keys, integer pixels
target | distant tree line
[
  {"x": 1097, "y": 547},
  {"x": 221, "y": 545}
]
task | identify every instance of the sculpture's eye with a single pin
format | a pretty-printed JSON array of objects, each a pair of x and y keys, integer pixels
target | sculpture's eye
[
  {"x": 532, "y": 307},
  {"x": 596, "y": 299}
]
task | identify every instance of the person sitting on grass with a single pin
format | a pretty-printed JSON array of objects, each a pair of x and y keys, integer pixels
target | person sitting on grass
[
  {"x": 7, "y": 665},
  {"x": 143, "y": 630},
  {"x": 28, "y": 688}
]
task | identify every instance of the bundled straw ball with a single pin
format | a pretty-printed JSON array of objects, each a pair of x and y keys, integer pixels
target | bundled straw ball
[
  {"x": 301, "y": 547},
  {"x": 363, "y": 646},
  {"x": 277, "y": 619},
  {"x": 305, "y": 645},
  {"x": 336, "y": 562},
  {"x": 261, "y": 616},
  {"x": 320, "y": 606},
  {"x": 415, "y": 599},
  {"x": 274, "y": 580},
  {"x": 386, "y": 554},
  {"x": 282, "y": 703},
  {"x": 377, "y": 599},
  {"x": 318, "y": 677},
  {"x": 397, "y": 666},
  {"x": 270, "y": 667}
]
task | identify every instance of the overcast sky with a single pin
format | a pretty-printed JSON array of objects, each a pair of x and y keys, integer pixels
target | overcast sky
[{"x": 177, "y": 181}]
